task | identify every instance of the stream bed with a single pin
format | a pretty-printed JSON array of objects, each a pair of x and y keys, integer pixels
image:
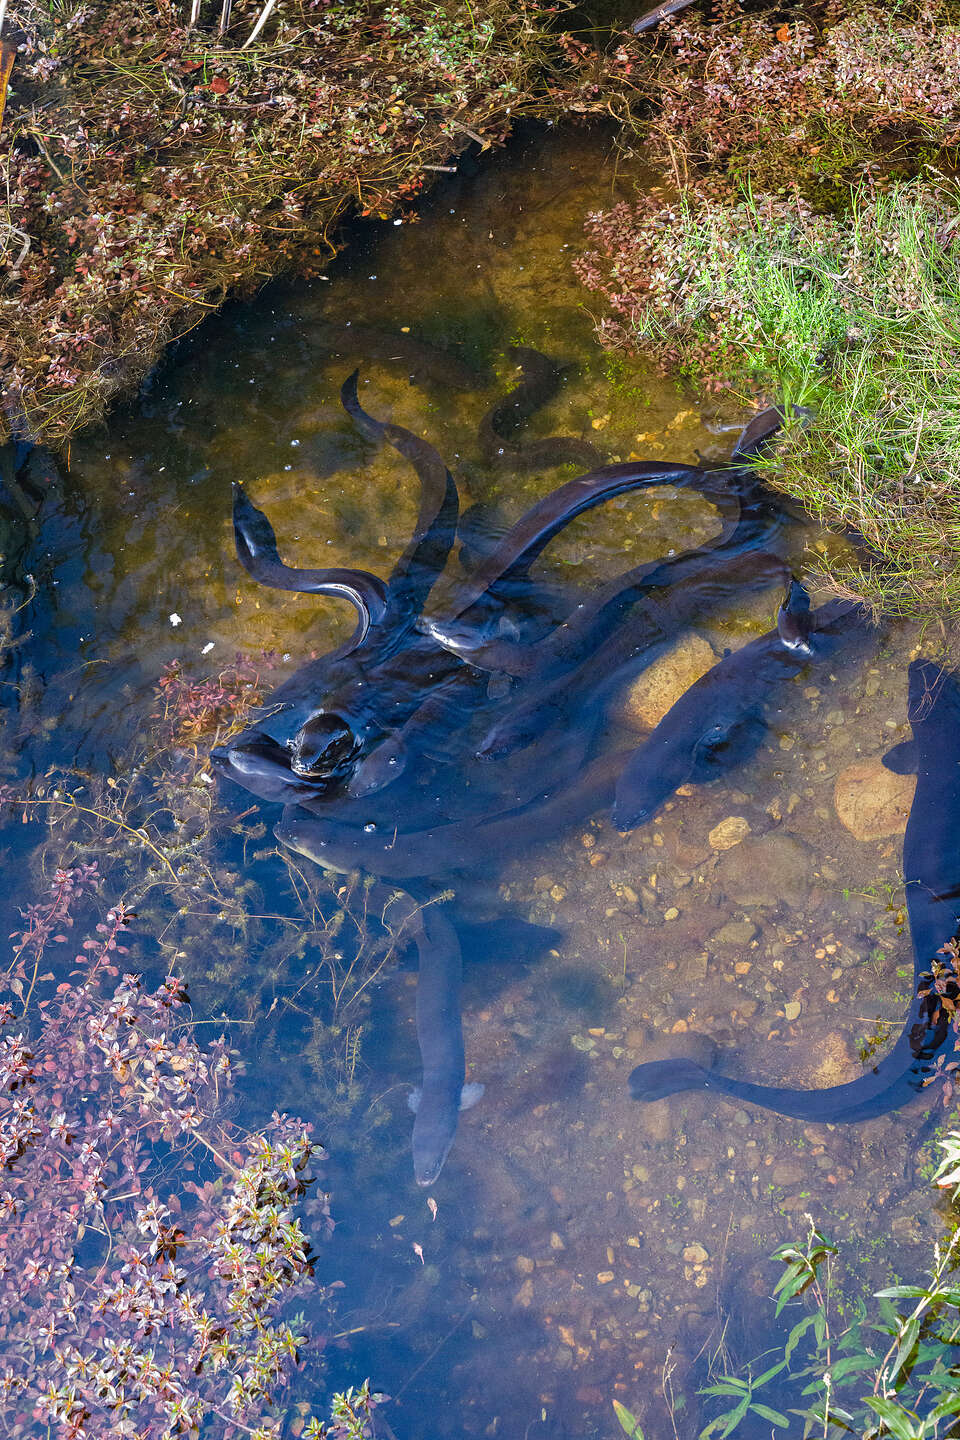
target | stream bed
[{"x": 582, "y": 1247}]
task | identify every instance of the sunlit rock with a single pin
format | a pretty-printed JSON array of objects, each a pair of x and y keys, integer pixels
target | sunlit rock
[
  {"x": 660, "y": 686},
  {"x": 871, "y": 801}
]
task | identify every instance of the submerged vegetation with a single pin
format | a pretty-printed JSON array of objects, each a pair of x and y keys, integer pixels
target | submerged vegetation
[
  {"x": 151, "y": 1248},
  {"x": 885, "y": 1370}
]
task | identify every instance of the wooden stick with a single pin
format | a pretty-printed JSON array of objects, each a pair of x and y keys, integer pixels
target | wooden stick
[
  {"x": 194, "y": 13},
  {"x": 265, "y": 14},
  {"x": 225, "y": 16}
]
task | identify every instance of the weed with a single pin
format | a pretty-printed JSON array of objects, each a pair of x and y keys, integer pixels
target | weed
[{"x": 856, "y": 318}]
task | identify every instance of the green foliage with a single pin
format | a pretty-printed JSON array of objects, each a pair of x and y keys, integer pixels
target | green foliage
[{"x": 855, "y": 317}]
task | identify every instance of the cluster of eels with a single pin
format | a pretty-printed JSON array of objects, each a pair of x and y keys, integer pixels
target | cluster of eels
[{"x": 432, "y": 745}]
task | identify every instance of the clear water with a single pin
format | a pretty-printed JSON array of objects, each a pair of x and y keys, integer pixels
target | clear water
[{"x": 554, "y": 1274}]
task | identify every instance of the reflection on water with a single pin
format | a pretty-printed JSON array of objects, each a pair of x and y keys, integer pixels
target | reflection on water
[{"x": 578, "y": 1236}]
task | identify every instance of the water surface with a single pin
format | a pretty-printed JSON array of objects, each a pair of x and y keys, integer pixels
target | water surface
[{"x": 580, "y": 1239}]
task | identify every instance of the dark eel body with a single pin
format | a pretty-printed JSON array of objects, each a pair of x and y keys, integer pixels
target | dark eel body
[
  {"x": 541, "y": 381},
  {"x": 931, "y": 866},
  {"x": 440, "y": 1037},
  {"x": 721, "y": 715},
  {"x": 398, "y": 686}
]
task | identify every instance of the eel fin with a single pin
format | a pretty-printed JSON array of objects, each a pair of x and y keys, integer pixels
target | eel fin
[
  {"x": 469, "y": 1096},
  {"x": 902, "y": 759},
  {"x": 793, "y": 619}
]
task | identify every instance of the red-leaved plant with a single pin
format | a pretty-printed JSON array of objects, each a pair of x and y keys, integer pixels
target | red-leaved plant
[{"x": 148, "y": 1252}]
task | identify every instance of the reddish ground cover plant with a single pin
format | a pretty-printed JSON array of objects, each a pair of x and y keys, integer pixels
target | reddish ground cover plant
[
  {"x": 194, "y": 708},
  {"x": 148, "y": 1249},
  {"x": 837, "y": 92}
]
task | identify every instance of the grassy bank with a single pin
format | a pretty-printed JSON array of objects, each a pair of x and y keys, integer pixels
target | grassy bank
[
  {"x": 150, "y": 168},
  {"x": 856, "y": 317}
]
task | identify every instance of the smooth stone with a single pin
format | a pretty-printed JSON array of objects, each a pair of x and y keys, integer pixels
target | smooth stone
[
  {"x": 871, "y": 801},
  {"x": 767, "y": 871},
  {"x": 728, "y": 833},
  {"x": 735, "y": 932},
  {"x": 660, "y": 686}
]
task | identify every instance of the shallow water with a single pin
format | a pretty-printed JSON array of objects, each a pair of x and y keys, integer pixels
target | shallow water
[{"x": 580, "y": 1239}]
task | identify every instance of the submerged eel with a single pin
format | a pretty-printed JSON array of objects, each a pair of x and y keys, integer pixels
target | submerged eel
[
  {"x": 440, "y": 1036},
  {"x": 391, "y": 854},
  {"x": 724, "y": 708},
  {"x": 541, "y": 380},
  {"x": 931, "y": 866},
  {"x": 531, "y": 534}
]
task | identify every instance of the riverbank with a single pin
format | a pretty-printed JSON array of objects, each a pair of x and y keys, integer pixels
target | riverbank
[
  {"x": 152, "y": 168},
  {"x": 812, "y": 257}
]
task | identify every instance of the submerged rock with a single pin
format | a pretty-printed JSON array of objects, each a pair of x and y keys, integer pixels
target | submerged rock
[
  {"x": 729, "y": 832},
  {"x": 660, "y": 686},
  {"x": 871, "y": 801},
  {"x": 766, "y": 871}
]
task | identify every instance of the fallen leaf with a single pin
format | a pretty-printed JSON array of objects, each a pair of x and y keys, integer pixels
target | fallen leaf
[{"x": 783, "y": 34}]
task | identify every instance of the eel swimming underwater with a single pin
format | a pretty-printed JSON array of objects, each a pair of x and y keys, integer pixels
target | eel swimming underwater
[
  {"x": 443, "y": 1094},
  {"x": 389, "y": 853},
  {"x": 931, "y": 867},
  {"x": 721, "y": 714},
  {"x": 540, "y": 382}
]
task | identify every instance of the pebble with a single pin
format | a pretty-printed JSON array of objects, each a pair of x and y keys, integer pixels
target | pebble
[
  {"x": 735, "y": 932},
  {"x": 672, "y": 913},
  {"x": 767, "y": 871},
  {"x": 659, "y": 687},
  {"x": 792, "y": 1009},
  {"x": 728, "y": 833}
]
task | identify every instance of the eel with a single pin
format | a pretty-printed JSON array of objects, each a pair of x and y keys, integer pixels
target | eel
[
  {"x": 540, "y": 382},
  {"x": 469, "y": 634},
  {"x": 414, "y": 574},
  {"x": 443, "y": 1094},
  {"x": 931, "y": 868},
  {"x": 257, "y": 553},
  {"x": 391, "y": 854},
  {"x": 531, "y": 534},
  {"x": 420, "y": 359},
  {"x": 636, "y": 644},
  {"x": 723, "y": 711}
]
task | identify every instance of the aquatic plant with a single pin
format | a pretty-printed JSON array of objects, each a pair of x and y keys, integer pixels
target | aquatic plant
[
  {"x": 888, "y": 1372},
  {"x": 149, "y": 1248},
  {"x": 855, "y": 316}
]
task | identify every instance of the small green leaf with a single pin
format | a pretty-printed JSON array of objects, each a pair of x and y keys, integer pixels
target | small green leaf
[
  {"x": 730, "y": 1386},
  {"x": 769, "y": 1374},
  {"x": 900, "y": 1292},
  {"x": 630, "y": 1423},
  {"x": 767, "y": 1414},
  {"x": 897, "y": 1420},
  {"x": 908, "y": 1340},
  {"x": 733, "y": 1417},
  {"x": 796, "y": 1335}
]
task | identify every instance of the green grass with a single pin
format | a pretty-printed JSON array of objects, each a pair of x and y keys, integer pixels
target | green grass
[{"x": 856, "y": 317}]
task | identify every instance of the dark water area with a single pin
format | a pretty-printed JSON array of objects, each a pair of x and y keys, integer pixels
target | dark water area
[{"x": 579, "y": 1246}]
